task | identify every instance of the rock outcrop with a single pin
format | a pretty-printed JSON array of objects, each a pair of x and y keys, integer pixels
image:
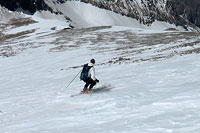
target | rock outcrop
[
  {"x": 184, "y": 13},
  {"x": 185, "y": 9}
]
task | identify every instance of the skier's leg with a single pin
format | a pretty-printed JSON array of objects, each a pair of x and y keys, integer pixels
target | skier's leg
[
  {"x": 92, "y": 84},
  {"x": 87, "y": 83}
]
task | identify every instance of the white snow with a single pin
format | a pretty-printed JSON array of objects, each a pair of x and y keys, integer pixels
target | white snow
[
  {"x": 45, "y": 21},
  {"x": 147, "y": 97},
  {"x": 85, "y": 15},
  {"x": 150, "y": 97}
]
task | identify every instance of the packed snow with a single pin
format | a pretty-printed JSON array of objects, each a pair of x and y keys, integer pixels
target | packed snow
[{"x": 147, "y": 97}]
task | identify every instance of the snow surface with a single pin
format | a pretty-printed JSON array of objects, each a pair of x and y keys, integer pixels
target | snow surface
[
  {"x": 85, "y": 15},
  {"x": 45, "y": 21},
  {"x": 147, "y": 97}
]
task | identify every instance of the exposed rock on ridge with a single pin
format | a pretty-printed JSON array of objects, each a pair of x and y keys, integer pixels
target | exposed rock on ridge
[
  {"x": 185, "y": 9},
  {"x": 184, "y": 13}
]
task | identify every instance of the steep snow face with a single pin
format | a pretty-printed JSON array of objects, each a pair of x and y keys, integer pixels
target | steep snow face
[
  {"x": 85, "y": 15},
  {"x": 144, "y": 11},
  {"x": 149, "y": 11}
]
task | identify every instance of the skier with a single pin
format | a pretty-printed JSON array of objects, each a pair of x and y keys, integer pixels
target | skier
[{"x": 91, "y": 80}]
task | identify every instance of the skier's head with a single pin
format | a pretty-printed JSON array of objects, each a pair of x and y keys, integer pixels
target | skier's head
[{"x": 92, "y": 61}]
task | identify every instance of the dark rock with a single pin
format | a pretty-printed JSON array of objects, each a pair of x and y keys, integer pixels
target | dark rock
[
  {"x": 28, "y": 5},
  {"x": 188, "y": 9},
  {"x": 53, "y": 28}
]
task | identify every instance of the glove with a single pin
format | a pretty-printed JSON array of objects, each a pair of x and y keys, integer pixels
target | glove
[{"x": 97, "y": 80}]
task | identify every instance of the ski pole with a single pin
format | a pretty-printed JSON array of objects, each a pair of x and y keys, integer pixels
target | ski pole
[{"x": 72, "y": 80}]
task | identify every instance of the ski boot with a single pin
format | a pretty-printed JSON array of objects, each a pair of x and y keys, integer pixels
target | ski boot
[{"x": 85, "y": 90}]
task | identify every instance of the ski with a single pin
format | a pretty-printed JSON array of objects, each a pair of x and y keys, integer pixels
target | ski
[{"x": 103, "y": 88}]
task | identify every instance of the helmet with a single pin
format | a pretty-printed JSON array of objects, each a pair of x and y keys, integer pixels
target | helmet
[{"x": 92, "y": 61}]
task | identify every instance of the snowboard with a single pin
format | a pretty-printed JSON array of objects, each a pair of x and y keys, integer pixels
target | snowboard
[{"x": 102, "y": 88}]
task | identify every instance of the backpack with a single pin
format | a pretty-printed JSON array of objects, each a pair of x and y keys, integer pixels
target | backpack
[{"x": 85, "y": 72}]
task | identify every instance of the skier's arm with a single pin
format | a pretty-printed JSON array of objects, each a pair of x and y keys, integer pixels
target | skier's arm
[{"x": 93, "y": 73}]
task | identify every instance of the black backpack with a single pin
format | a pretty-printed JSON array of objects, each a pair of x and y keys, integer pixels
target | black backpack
[{"x": 85, "y": 72}]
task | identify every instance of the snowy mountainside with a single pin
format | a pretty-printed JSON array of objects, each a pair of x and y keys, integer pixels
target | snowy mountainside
[
  {"x": 155, "y": 79},
  {"x": 45, "y": 22},
  {"x": 90, "y": 16},
  {"x": 144, "y": 11},
  {"x": 149, "y": 11},
  {"x": 154, "y": 75},
  {"x": 6, "y": 15}
]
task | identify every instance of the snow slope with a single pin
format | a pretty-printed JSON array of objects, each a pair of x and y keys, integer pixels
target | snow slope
[
  {"x": 85, "y": 15},
  {"x": 6, "y": 15},
  {"x": 45, "y": 22},
  {"x": 154, "y": 74},
  {"x": 148, "y": 97}
]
